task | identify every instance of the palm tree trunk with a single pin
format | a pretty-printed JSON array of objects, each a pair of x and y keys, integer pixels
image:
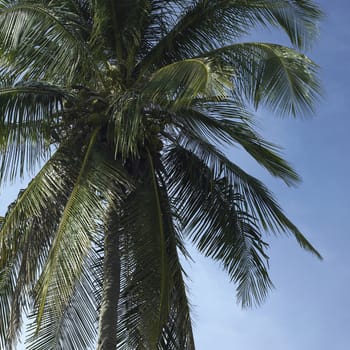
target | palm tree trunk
[{"x": 111, "y": 290}]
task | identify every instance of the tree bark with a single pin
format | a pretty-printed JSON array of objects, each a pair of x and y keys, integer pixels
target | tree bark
[{"x": 111, "y": 289}]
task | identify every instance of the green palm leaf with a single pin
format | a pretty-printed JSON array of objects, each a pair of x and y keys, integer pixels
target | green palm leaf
[
  {"x": 227, "y": 125},
  {"x": 56, "y": 40},
  {"x": 25, "y": 237},
  {"x": 178, "y": 84},
  {"x": 28, "y": 117},
  {"x": 206, "y": 25},
  {"x": 281, "y": 78},
  {"x": 72, "y": 239},
  {"x": 76, "y": 326},
  {"x": 259, "y": 202},
  {"x": 216, "y": 219},
  {"x": 177, "y": 334}
]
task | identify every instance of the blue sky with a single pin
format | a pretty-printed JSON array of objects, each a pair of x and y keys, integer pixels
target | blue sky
[{"x": 309, "y": 309}]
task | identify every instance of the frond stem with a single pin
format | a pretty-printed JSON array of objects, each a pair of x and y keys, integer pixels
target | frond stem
[
  {"x": 164, "y": 282},
  {"x": 60, "y": 231}
]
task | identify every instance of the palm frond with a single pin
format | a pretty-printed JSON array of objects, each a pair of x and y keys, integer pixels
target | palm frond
[
  {"x": 277, "y": 76},
  {"x": 299, "y": 19},
  {"x": 101, "y": 185},
  {"x": 68, "y": 251},
  {"x": 259, "y": 202},
  {"x": 177, "y": 333},
  {"x": 28, "y": 119},
  {"x": 206, "y": 25},
  {"x": 218, "y": 222},
  {"x": 72, "y": 241},
  {"x": 161, "y": 16},
  {"x": 25, "y": 238},
  {"x": 228, "y": 124},
  {"x": 50, "y": 40},
  {"x": 178, "y": 84},
  {"x": 76, "y": 326},
  {"x": 126, "y": 125}
]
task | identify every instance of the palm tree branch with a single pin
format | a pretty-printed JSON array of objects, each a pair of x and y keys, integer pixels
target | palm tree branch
[
  {"x": 205, "y": 23},
  {"x": 259, "y": 201},
  {"x": 164, "y": 289},
  {"x": 217, "y": 221},
  {"x": 25, "y": 234},
  {"x": 78, "y": 271},
  {"x": 278, "y": 76},
  {"x": 55, "y": 249},
  {"x": 46, "y": 14},
  {"x": 206, "y": 124},
  {"x": 178, "y": 84},
  {"x": 27, "y": 120},
  {"x": 178, "y": 331},
  {"x": 76, "y": 326}
]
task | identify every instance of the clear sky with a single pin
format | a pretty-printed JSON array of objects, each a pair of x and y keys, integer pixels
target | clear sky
[{"x": 309, "y": 309}]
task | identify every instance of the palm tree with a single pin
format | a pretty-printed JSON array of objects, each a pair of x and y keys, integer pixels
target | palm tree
[{"x": 121, "y": 110}]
